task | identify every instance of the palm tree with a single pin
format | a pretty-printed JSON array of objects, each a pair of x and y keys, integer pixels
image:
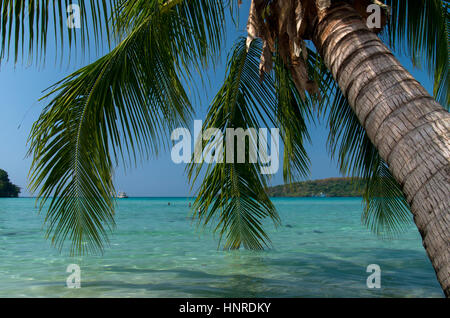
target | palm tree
[{"x": 302, "y": 59}]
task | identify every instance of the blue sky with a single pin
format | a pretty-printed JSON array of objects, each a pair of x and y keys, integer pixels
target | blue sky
[{"x": 21, "y": 86}]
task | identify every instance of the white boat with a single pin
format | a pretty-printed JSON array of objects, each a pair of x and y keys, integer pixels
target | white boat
[{"x": 122, "y": 195}]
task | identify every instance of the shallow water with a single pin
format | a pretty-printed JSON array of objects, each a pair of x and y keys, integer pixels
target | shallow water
[{"x": 321, "y": 250}]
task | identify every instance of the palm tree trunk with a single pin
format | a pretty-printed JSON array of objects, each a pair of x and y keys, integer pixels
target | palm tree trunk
[{"x": 409, "y": 128}]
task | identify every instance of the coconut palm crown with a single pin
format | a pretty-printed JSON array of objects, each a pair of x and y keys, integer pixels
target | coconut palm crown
[{"x": 301, "y": 60}]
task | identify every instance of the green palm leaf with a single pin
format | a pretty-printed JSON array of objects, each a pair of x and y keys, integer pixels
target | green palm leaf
[
  {"x": 421, "y": 29},
  {"x": 233, "y": 194},
  {"x": 386, "y": 210},
  {"x": 293, "y": 113},
  {"x": 120, "y": 105},
  {"x": 33, "y": 16}
]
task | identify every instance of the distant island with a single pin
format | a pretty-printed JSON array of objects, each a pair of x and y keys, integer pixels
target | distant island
[
  {"x": 7, "y": 189},
  {"x": 332, "y": 187}
]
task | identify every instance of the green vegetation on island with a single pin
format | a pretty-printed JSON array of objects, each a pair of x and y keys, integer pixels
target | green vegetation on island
[
  {"x": 7, "y": 189},
  {"x": 333, "y": 187}
]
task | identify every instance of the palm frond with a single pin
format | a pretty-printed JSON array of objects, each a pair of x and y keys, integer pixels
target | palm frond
[
  {"x": 124, "y": 103},
  {"x": 293, "y": 113},
  {"x": 28, "y": 21},
  {"x": 234, "y": 194},
  {"x": 198, "y": 36},
  {"x": 421, "y": 30},
  {"x": 386, "y": 210}
]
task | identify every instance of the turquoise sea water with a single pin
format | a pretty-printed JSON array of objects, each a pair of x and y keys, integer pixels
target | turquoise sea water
[{"x": 321, "y": 250}]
